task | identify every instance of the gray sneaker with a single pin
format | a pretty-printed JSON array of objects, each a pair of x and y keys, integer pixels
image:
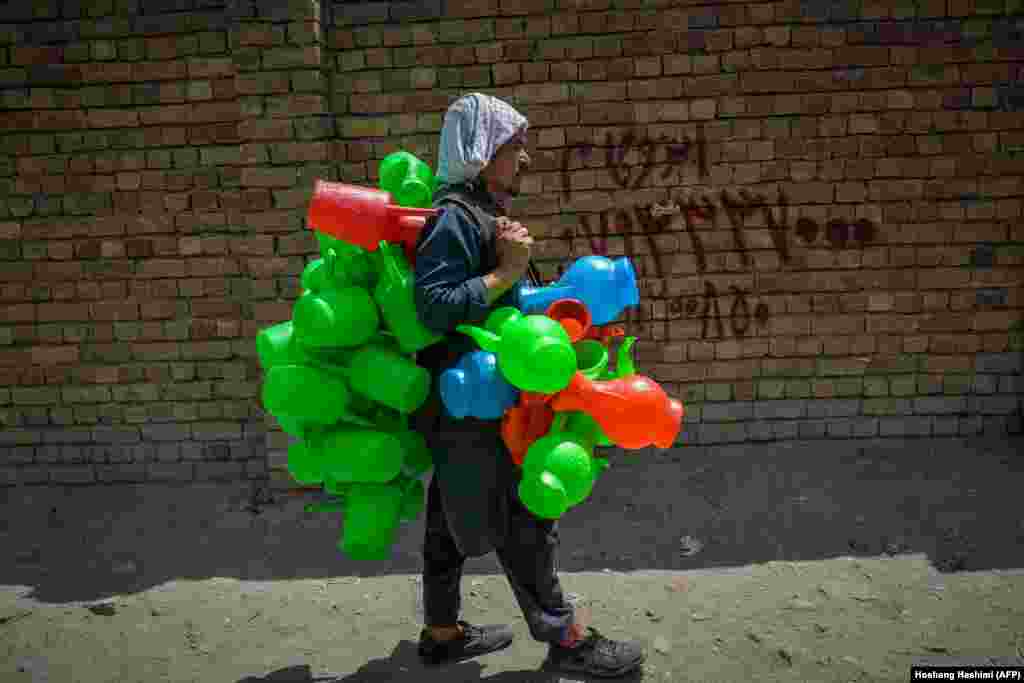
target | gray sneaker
[
  {"x": 596, "y": 656},
  {"x": 475, "y": 641}
]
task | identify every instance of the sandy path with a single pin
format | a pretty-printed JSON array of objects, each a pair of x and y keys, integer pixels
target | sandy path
[{"x": 844, "y": 619}]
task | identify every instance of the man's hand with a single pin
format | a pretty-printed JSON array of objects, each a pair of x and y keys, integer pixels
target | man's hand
[
  {"x": 513, "y": 247},
  {"x": 512, "y": 243}
]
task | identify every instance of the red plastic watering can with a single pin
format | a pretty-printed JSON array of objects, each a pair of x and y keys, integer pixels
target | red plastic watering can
[
  {"x": 634, "y": 412},
  {"x": 364, "y": 216},
  {"x": 522, "y": 425}
]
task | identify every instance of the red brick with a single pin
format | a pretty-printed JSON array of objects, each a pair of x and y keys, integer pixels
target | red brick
[
  {"x": 164, "y": 114},
  {"x": 18, "y": 313},
  {"x": 158, "y": 71},
  {"x": 54, "y": 355},
  {"x": 113, "y": 118},
  {"x": 59, "y": 120},
  {"x": 268, "y": 177},
  {"x": 210, "y": 267},
  {"x": 221, "y": 111},
  {"x": 115, "y": 310},
  {"x": 161, "y": 268}
]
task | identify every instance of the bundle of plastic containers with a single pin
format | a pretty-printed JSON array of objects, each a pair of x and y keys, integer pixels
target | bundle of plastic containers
[
  {"x": 341, "y": 376},
  {"x": 547, "y": 377}
]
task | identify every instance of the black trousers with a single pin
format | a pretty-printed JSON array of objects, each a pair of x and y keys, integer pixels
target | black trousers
[{"x": 527, "y": 554}]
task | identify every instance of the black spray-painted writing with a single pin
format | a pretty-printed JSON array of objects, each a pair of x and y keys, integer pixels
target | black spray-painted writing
[{"x": 742, "y": 313}]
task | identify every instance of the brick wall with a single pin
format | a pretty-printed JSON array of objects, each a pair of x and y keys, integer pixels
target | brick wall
[{"x": 823, "y": 201}]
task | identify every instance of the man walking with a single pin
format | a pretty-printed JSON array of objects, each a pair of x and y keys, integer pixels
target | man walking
[{"x": 469, "y": 260}]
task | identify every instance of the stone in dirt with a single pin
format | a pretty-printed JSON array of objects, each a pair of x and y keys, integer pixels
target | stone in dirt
[{"x": 106, "y": 609}]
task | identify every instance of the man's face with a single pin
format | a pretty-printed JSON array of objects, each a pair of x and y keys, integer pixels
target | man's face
[{"x": 504, "y": 172}]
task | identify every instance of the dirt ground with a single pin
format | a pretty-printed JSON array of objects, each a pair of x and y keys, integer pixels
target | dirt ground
[{"x": 782, "y": 562}]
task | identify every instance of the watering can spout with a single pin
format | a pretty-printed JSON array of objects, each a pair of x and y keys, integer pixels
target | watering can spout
[
  {"x": 625, "y": 367},
  {"x": 488, "y": 341}
]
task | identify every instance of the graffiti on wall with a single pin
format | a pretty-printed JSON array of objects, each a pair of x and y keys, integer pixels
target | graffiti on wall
[{"x": 699, "y": 215}]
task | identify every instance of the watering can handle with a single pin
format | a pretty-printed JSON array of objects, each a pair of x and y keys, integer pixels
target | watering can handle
[
  {"x": 414, "y": 212},
  {"x": 330, "y": 262}
]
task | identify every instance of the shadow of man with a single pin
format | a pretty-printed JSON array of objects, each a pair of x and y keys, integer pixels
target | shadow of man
[{"x": 404, "y": 666}]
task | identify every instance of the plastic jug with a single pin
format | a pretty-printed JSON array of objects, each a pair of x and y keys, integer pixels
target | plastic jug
[
  {"x": 605, "y": 286},
  {"x": 407, "y": 179},
  {"x": 276, "y": 345},
  {"x": 394, "y": 295},
  {"x": 307, "y": 394},
  {"x": 344, "y": 317},
  {"x": 363, "y": 216},
  {"x": 558, "y": 472},
  {"x": 475, "y": 387},
  {"x": 342, "y": 265},
  {"x": 388, "y": 377},
  {"x": 370, "y": 521},
  {"x": 523, "y": 424},
  {"x": 634, "y": 412},
  {"x": 355, "y": 454},
  {"x": 534, "y": 352},
  {"x": 304, "y": 465}
]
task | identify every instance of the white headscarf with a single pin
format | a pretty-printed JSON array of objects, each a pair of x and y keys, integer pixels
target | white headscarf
[{"x": 475, "y": 126}]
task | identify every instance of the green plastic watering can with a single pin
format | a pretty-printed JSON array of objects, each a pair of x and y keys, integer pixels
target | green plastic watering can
[
  {"x": 534, "y": 352},
  {"x": 409, "y": 180},
  {"x": 558, "y": 470},
  {"x": 388, "y": 377},
  {"x": 303, "y": 394},
  {"x": 354, "y": 454},
  {"x": 276, "y": 345},
  {"x": 394, "y": 295},
  {"x": 342, "y": 265},
  {"x": 371, "y": 517},
  {"x": 343, "y": 317}
]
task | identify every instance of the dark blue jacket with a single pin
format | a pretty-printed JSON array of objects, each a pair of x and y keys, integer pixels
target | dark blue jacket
[
  {"x": 473, "y": 470},
  {"x": 453, "y": 254}
]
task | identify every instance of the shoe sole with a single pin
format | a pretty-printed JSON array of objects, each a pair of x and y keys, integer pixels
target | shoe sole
[
  {"x": 431, "y": 662},
  {"x": 617, "y": 673}
]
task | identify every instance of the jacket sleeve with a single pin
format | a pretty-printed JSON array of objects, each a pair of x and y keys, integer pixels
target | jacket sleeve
[{"x": 447, "y": 290}]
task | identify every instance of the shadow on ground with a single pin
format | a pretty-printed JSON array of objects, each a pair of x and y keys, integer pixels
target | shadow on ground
[
  {"x": 685, "y": 509},
  {"x": 403, "y": 666}
]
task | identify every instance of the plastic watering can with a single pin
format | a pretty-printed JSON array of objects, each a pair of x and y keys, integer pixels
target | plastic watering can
[
  {"x": 305, "y": 394},
  {"x": 394, "y": 295},
  {"x": 534, "y": 352},
  {"x": 604, "y": 285},
  {"x": 634, "y": 411},
  {"x": 370, "y": 520},
  {"x": 352, "y": 454},
  {"x": 364, "y": 216},
  {"x": 475, "y": 387},
  {"x": 407, "y": 179},
  {"x": 343, "y": 317},
  {"x": 558, "y": 471}
]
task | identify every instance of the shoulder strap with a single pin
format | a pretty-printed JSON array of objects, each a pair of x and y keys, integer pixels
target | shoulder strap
[{"x": 483, "y": 221}]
